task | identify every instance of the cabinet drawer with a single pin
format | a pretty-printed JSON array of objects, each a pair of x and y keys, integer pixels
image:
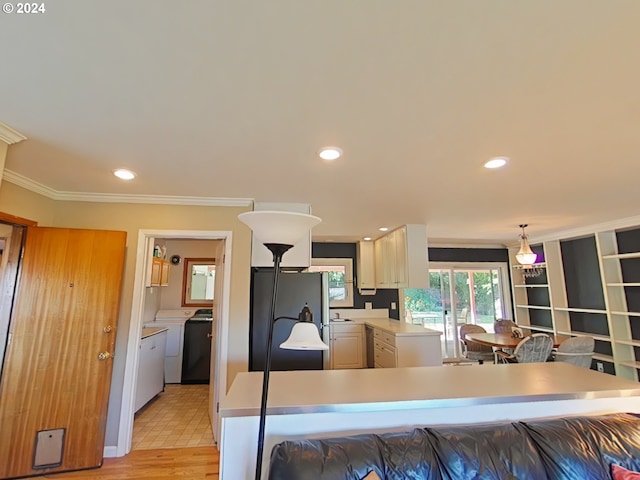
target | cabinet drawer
[
  {"x": 385, "y": 337},
  {"x": 345, "y": 328},
  {"x": 384, "y": 355}
]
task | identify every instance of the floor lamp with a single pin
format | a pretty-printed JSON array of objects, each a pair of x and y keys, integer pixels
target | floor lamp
[{"x": 279, "y": 231}]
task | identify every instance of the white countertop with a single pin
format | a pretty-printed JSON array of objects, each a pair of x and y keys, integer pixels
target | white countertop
[
  {"x": 395, "y": 327},
  {"x": 148, "y": 331},
  {"x": 379, "y": 389}
]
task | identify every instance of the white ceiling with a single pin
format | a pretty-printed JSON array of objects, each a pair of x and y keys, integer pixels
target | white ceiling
[{"x": 233, "y": 99}]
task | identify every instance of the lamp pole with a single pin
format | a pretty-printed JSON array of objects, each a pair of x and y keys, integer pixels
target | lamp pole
[{"x": 278, "y": 250}]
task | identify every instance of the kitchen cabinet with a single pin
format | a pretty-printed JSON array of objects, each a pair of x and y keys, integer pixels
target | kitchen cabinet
[
  {"x": 366, "y": 273},
  {"x": 159, "y": 272},
  {"x": 401, "y": 258},
  {"x": 346, "y": 346},
  {"x": 392, "y": 349},
  {"x": 150, "y": 366}
]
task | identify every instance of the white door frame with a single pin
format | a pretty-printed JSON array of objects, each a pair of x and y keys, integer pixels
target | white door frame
[{"x": 125, "y": 428}]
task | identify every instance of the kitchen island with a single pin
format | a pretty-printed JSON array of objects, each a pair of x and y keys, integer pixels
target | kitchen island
[
  {"x": 388, "y": 343},
  {"x": 325, "y": 403}
]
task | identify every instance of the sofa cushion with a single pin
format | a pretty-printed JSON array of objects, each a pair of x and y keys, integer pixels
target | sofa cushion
[
  {"x": 586, "y": 447},
  {"x": 392, "y": 456},
  {"x": 485, "y": 451}
]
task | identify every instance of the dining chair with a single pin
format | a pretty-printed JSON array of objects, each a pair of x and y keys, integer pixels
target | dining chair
[
  {"x": 575, "y": 350},
  {"x": 531, "y": 349},
  {"x": 503, "y": 326},
  {"x": 472, "y": 350}
]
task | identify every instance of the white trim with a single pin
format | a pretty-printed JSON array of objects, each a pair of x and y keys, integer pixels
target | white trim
[
  {"x": 10, "y": 136},
  {"x": 125, "y": 428},
  {"x": 41, "y": 189},
  {"x": 110, "y": 452}
]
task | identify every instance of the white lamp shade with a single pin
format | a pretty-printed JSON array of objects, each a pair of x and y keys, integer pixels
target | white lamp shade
[
  {"x": 525, "y": 255},
  {"x": 304, "y": 336},
  {"x": 286, "y": 228}
]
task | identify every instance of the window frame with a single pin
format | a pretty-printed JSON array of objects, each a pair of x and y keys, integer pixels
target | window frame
[
  {"x": 189, "y": 263},
  {"x": 347, "y": 263}
]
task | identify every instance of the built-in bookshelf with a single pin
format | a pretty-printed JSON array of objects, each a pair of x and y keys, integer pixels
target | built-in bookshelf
[{"x": 590, "y": 286}]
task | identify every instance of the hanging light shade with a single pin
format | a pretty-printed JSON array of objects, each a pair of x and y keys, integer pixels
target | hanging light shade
[
  {"x": 525, "y": 255},
  {"x": 304, "y": 336},
  {"x": 286, "y": 228}
]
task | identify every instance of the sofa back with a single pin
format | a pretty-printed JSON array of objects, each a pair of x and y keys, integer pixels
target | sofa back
[{"x": 568, "y": 448}]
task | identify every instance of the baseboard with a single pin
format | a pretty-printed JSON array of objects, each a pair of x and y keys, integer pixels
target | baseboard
[{"x": 110, "y": 452}]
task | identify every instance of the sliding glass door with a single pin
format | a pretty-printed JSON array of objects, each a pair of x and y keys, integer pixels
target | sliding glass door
[{"x": 459, "y": 293}]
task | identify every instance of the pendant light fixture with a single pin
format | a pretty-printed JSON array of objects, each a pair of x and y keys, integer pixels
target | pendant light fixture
[{"x": 525, "y": 255}]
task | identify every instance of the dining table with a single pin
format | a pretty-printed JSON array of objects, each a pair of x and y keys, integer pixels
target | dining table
[{"x": 506, "y": 340}]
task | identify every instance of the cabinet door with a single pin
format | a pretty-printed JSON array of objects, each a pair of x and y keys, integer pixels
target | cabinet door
[
  {"x": 156, "y": 271},
  {"x": 164, "y": 274},
  {"x": 346, "y": 351},
  {"x": 366, "y": 266},
  {"x": 400, "y": 255}
]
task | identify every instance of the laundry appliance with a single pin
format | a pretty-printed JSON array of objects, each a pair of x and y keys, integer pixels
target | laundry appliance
[{"x": 174, "y": 321}]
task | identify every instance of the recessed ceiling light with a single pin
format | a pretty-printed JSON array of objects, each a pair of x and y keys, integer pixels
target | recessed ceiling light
[
  {"x": 496, "y": 162},
  {"x": 367, "y": 239},
  {"x": 124, "y": 174},
  {"x": 383, "y": 229},
  {"x": 330, "y": 153}
]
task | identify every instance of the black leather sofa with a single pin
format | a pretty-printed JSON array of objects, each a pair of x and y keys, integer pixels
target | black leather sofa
[{"x": 577, "y": 448}]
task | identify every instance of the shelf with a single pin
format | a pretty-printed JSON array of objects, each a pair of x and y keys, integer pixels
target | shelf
[
  {"x": 629, "y": 364},
  {"x": 534, "y": 307},
  {"x": 620, "y": 256},
  {"x": 537, "y": 328},
  {"x": 579, "y": 310},
  {"x": 542, "y": 285},
  {"x": 527, "y": 267},
  {"x": 632, "y": 343},
  {"x": 635, "y": 284},
  {"x": 627, "y": 314},
  {"x": 604, "y": 358},
  {"x": 602, "y": 338}
]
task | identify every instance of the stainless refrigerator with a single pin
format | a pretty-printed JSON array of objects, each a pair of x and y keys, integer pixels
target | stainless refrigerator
[{"x": 294, "y": 290}]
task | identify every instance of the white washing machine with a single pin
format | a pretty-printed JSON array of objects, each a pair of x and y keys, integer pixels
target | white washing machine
[{"x": 173, "y": 321}]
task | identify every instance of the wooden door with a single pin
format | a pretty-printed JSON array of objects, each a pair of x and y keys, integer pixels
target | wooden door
[{"x": 53, "y": 381}]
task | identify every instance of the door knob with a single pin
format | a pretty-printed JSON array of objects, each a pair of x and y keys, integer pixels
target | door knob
[
  {"x": 209, "y": 335},
  {"x": 104, "y": 356},
  {"x": 107, "y": 329}
]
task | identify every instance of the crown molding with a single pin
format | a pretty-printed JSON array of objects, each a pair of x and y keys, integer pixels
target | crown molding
[
  {"x": 10, "y": 136},
  {"x": 41, "y": 189}
]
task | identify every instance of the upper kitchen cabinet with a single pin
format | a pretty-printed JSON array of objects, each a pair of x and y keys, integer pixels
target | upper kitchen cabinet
[
  {"x": 298, "y": 256},
  {"x": 401, "y": 259},
  {"x": 366, "y": 271},
  {"x": 158, "y": 267}
]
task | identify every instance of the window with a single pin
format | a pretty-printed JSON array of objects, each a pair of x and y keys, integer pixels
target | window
[
  {"x": 198, "y": 281},
  {"x": 340, "y": 272}
]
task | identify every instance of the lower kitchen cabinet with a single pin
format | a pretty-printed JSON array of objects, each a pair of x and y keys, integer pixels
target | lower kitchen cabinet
[
  {"x": 347, "y": 346},
  {"x": 150, "y": 368},
  {"x": 392, "y": 350}
]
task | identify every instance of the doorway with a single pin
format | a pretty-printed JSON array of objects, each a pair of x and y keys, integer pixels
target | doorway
[
  {"x": 217, "y": 388},
  {"x": 460, "y": 293}
]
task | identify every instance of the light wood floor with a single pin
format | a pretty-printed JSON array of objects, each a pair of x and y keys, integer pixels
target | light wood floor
[{"x": 187, "y": 463}]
